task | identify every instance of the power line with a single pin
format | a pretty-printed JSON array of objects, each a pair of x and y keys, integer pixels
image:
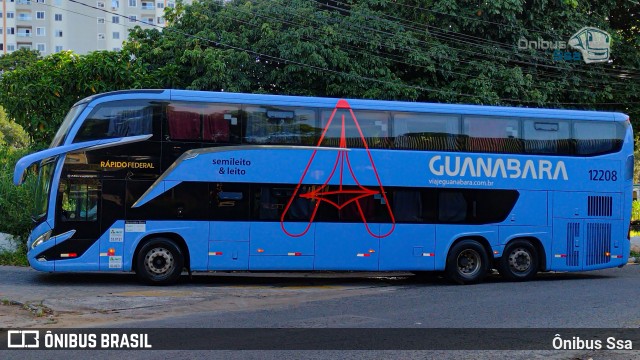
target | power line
[
  {"x": 525, "y": 70},
  {"x": 465, "y": 50},
  {"x": 391, "y": 57},
  {"x": 323, "y": 69}
]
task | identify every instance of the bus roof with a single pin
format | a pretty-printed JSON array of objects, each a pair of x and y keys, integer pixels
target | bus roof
[{"x": 358, "y": 104}]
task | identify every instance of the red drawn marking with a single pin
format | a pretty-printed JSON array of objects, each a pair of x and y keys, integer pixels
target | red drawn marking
[{"x": 321, "y": 194}]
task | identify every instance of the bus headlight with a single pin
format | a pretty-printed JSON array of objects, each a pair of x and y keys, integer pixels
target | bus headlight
[{"x": 42, "y": 238}]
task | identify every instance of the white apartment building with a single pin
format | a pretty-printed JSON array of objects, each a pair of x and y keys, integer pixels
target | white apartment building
[{"x": 54, "y": 25}]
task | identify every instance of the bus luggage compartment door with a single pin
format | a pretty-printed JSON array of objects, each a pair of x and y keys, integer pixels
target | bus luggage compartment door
[
  {"x": 273, "y": 249},
  {"x": 408, "y": 247},
  {"x": 228, "y": 245},
  {"x": 347, "y": 246}
]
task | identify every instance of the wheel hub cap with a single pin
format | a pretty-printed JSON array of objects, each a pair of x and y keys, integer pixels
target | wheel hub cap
[
  {"x": 468, "y": 262},
  {"x": 520, "y": 259},
  {"x": 159, "y": 261}
]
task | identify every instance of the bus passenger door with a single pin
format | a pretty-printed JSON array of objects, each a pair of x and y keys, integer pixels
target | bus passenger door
[
  {"x": 78, "y": 208},
  {"x": 112, "y": 225}
]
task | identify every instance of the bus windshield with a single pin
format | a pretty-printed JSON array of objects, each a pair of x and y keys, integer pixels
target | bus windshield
[
  {"x": 43, "y": 186},
  {"x": 66, "y": 124}
]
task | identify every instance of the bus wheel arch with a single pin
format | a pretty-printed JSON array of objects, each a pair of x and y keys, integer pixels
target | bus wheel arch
[
  {"x": 171, "y": 246},
  {"x": 521, "y": 259},
  {"x": 468, "y": 260}
]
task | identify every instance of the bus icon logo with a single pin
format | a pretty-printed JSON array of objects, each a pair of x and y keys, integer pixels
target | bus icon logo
[
  {"x": 21, "y": 339},
  {"x": 594, "y": 44}
]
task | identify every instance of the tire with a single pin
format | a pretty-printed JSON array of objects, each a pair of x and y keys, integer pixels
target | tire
[
  {"x": 467, "y": 262},
  {"x": 159, "y": 262},
  {"x": 519, "y": 261}
]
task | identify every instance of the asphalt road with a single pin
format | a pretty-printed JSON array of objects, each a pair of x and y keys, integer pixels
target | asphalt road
[{"x": 600, "y": 299}]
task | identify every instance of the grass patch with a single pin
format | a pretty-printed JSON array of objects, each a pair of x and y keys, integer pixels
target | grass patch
[
  {"x": 15, "y": 258},
  {"x": 635, "y": 254}
]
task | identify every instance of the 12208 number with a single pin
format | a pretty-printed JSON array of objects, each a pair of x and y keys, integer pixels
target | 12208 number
[{"x": 603, "y": 175}]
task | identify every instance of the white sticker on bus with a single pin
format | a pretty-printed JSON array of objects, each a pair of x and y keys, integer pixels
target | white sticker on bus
[
  {"x": 115, "y": 262},
  {"x": 135, "y": 226},
  {"x": 116, "y": 235}
]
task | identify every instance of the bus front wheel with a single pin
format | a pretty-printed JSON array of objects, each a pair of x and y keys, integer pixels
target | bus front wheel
[
  {"x": 467, "y": 262},
  {"x": 159, "y": 262},
  {"x": 519, "y": 261}
]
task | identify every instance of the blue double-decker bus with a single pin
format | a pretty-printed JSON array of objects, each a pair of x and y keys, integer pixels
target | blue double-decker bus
[{"x": 162, "y": 181}]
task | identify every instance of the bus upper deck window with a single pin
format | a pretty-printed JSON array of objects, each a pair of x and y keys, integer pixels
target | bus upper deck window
[
  {"x": 281, "y": 125},
  {"x": 415, "y": 131},
  {"x": 373, "y": 124},
  {"x": 496, "y": 135},
  {"x": 547, "y": 137},
  {"x": 119, "y": 119},
  {"x": 594, "y": 138}
]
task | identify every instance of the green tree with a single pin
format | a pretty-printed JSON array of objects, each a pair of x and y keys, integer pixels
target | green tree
[
  {"x": 18, "y": 59},
  {"x": 424, "y": 50},
  {"x": 39, "y": 95},
  {"x": 12, "y": 135}
]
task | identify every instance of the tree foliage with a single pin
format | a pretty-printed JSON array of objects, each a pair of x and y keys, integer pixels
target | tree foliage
[
  {"x": 422, "y": 50},
  {"x": 12, "y": 135},
  {"x": 18, "y": 59},
  {"x": 458, "y": 51},
  {"x": 39, "y": 95}
]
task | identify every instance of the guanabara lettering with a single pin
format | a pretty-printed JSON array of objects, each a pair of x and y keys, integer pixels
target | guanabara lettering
[{"x": 497, "y": 167}]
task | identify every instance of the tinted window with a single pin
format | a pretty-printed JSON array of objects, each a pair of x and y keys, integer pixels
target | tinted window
[
  {"x": 229, "y": 201},
  {"x": 494, "y": 135},
  {"x": 374, "y": 126},
  {"x": 426, "y": 132},
  {"x": 271, "y": 201},
  {"x": 547, "y": 137},
  {"x": 218, "y": 123},
  {"x": 280, "y": 125},
  {"x": 341, "y": 205},
  {"x": 186, "y": 201},
  {"x": 597, "y": 137},
  {"x": 79, "y": 200},
  {"x": 120, "y": 119},
  {"x": 471, "y": 206}
]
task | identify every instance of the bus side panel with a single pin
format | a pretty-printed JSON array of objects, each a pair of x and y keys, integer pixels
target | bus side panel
[
  {"x": 273, "y": 249},
  {"x": 112, "y": 247},
  {"x": 447, "y": 234},
  {"x": 530, "y": 209},
  {"x": 346, "y": 246},
  {"x": 194, "y": 233},
  {"x": 408, "y": 247},
  {"x": 88, "y": 261},
  {"x": 228, "y": 245},
  {"x": 228, "y": 255}
]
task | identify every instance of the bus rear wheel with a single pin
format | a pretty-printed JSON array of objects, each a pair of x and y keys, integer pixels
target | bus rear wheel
[
  {"x": 159, "y": 262},
  {"x": 519, "y": 261},
  {"x": 467, "y": 262}
]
